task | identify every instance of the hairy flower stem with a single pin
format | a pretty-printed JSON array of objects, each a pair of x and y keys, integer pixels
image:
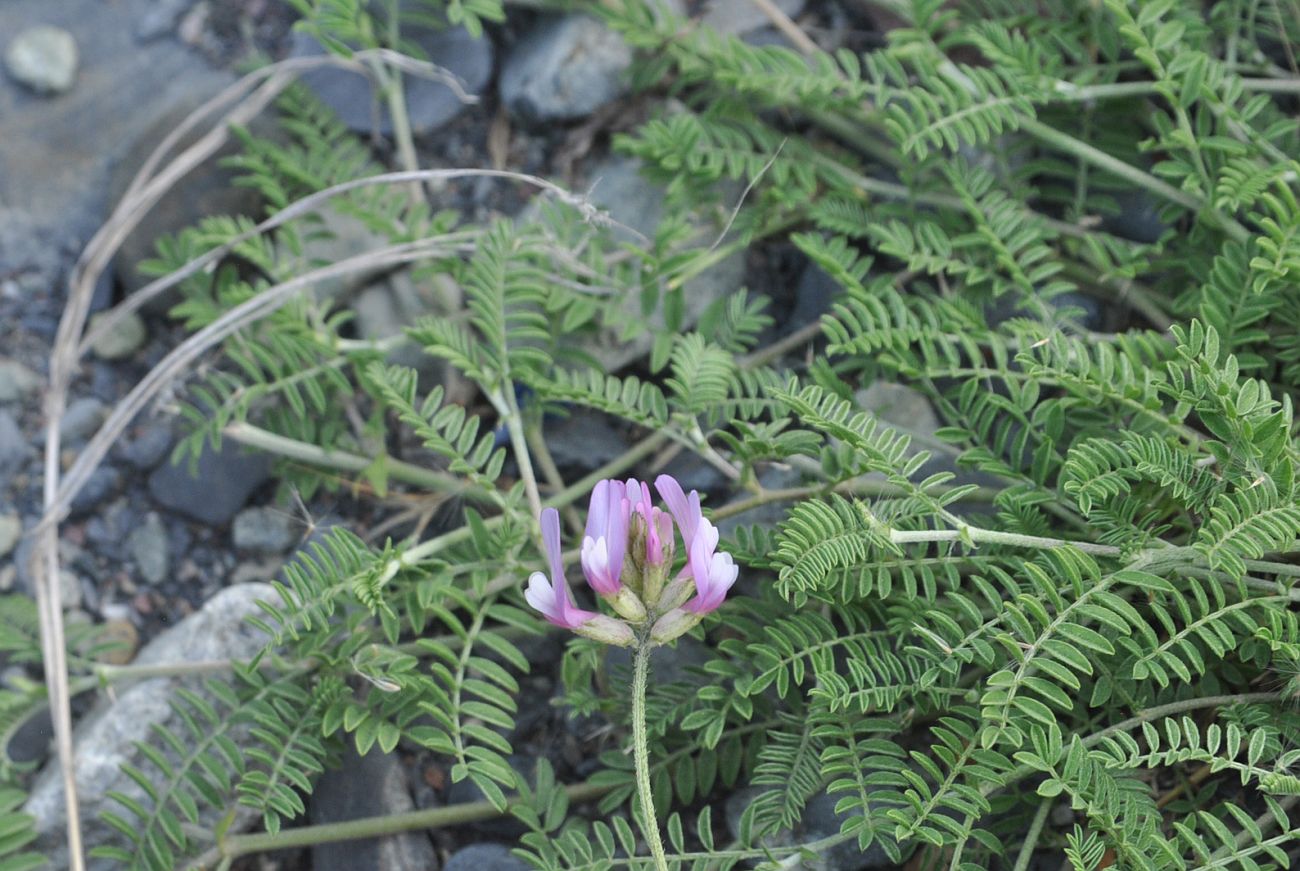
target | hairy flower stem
[
  {"x": 1032, "y": 836},
  {"x": 641, "y": 753}
]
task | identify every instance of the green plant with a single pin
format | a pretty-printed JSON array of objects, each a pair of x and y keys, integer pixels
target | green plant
[{"x": 1067, "y": 624}]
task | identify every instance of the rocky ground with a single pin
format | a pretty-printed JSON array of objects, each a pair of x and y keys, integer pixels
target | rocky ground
[{"x": 88, "y": 88}]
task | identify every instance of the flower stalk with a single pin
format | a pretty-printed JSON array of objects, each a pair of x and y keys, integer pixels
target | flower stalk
[{"x": 641, "y": 755}]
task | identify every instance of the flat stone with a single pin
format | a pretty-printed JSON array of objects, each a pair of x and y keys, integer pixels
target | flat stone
[
  {"x": 11, "y": 529},
  {"x": 264, "y": 530},
  {"x": 566, "y": 68},
  {"x": 126, "y": 337},
  {"x": 149, "y": 446},
  {"x": 58, "y": 153},
  {"x": 150, "y": 548},
  {"x": 222, "y": 482},
  {"x": 813, "y": 296},
  {"x": 100, "y": 485},
  {"x": 16, "y": 381},
  {"x": 14, "y": 449},
  {"x": 374, "y": 784},
  {"x": 900, "y": 406},
  {"x": 81, "y": 419},
  {"x": 821, "y": 821},
  {"x": 106, "y": 739},
  {"x": 430, "y": 103},
  {"x": 44, "y": 59},
  {"x": 583, "y": 439},
  {"x": 485, "y": 857},
  {"x": 69, "y": 590}
]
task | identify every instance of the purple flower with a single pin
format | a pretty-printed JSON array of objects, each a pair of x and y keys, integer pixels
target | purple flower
[
  {"x": 605, "y": 543},
  {"x": 551, "y": 595},
  {"x": 713, "y": 572},
  {"x": 658, "y": 526}
]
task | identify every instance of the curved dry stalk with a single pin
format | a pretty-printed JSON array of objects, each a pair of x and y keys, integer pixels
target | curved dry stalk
[
  {"x": 249, "y": 96},
  {"x": 308, "y": 204}
]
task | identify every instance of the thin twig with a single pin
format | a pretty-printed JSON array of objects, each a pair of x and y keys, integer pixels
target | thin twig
[
  {"x": 783, "y": 23},
  {"x": 745, "y": 194}
]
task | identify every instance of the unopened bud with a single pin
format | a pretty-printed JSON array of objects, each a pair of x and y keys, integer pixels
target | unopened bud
[
  {"x": 627, "y": 604},
  {"x": 607, "y": 630},
  {"x": 676, "y": 593},
  {"x": 673, "y": 625}
]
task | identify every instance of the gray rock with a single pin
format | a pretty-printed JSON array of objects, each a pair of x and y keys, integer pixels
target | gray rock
[
  {"x": 429, "y": 103},
  {"x": 667, "y": 664},
  {"x": 221, "y": 484},
  {"x": 11, "y": 529},
  {"x": 44, "y": 59},
  {"x": 69, "y": 590},
  {"x": 584, "y": 440},
  {"x": 106, "y": 739},
  {"x": 81, "y": 419},
  {"x": 821, "y": 821},
  {"x": 484, "y": 857},
  {"x": 813, "y": 296},
  {"x": 264, "y": 530},
  {"x": 14, "y": 449},
  {"x": 568, "y": 67},
  {"x": 160, "y": 19},
  {"x": 740, "y": 17},
  {"x": 55, "y": 167},
  {"x": 366, "y": 786},
  {"x": 126, "y": 337},
  {"x": 1094, "y": 314},
  {"x": 102, "y": 483},
  {"x": 385, "y": 310},
  {"x": 1138, "y": 218},
  {"x": 16, "y": 381},
  {"x": 148, "y": 448},
  {"x": 899, "y": 406},
  {"x": 149, "y": 547}
]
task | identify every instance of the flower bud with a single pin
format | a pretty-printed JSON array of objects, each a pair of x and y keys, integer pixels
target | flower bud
[
  {"x": 627, "y": 604},
  {"x": 673, "y": 625},
  {"x": 676, "y": 593},
  {"x": 607, "y": 630}
]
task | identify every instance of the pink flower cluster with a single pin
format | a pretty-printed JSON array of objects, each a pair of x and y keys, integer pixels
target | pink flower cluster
[{"x": 627, "y": 553}]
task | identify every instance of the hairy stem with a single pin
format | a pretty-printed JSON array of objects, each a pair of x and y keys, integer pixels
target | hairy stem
[
  {"x": 398, "y": 470},
  {"x": 389, "y": 824},
  {"x": 1031, "y": 837},
  {"x": 641, "y": 753}
]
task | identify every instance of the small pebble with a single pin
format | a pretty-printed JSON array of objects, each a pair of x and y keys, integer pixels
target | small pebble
[
  {"x": 69, "y": 590},
  {"x": 11, "y": 529},
  {"x": 126, "y": 337},
  {"x": 150, "y": 550},
  {"x": 16, "y": 381},
  {"x": 81, "y": 419},
  {"x": 123, "y": 637},
  {"x": 264, "y": 530},
  {"x": 44, "y": 59}
]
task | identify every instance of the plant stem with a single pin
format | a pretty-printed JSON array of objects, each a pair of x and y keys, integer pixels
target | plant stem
[
  {"x": 508, "y": 408},
  {"x": 1031, "y": 837},
  {"x": 398, "y": 470},
  {"x": 992, "y": 536},
  {"x": 641, "y": 753},
  {"x": 1115, "y": 166},
  {"x": 389, "y": 824}
]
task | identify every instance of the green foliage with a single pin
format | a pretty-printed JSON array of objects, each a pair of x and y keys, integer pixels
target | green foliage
[{"x": 1078, "y": 590}]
